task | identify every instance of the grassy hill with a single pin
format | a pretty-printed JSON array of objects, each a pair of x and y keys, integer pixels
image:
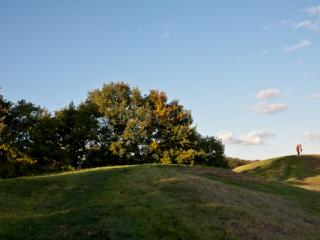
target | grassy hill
[
  {"x": 302, "y": 171},
  {"x": 156, "y": 202}
]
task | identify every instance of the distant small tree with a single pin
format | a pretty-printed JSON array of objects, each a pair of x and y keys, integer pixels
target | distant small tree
[
  {"x": 214, "y": 152},
  {"x": 237, "y": 162}
]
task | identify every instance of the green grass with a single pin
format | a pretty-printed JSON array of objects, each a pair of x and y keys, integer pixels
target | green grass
[
  {"x": 302, "y": 171},
  {"x": 156, "y": 202}
]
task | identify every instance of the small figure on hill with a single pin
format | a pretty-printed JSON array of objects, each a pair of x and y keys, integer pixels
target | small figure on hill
[{"x": 299, "y": 149}]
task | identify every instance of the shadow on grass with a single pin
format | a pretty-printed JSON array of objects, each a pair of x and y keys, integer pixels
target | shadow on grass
[
  {"x": 147, "y": 202},
  {"x": 55, "y": 207},
  {"x": 117, "y": 204}
]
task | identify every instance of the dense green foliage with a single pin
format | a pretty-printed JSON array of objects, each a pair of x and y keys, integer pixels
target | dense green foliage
[
  {"x": 237, "y": 162},
  {"x": 156, "y": 202},
  {"x": 14, "y": 163},
  {"x": 3, "y": 112},
  {"x": 115, "y": 125}
]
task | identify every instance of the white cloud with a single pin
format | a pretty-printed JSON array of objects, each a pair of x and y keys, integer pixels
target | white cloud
[
  {"x": 313, "y": 23},
  {"x": 312, "y": 137},
  {"x": 303, "y": 24},
  {"x": 251, "y": 138},
  {"x": 228, "y": 137},
  {"x": 308, "y": 24},
  {"x": 165, "y": 35},
  {"x": 314, "y": 10},
  {"x": 269, "y": 108},
  {"x": 268, "y": 93},
  {"x": 301, "y": 44},
  {"x": 255, "y": 137},
  {"x": 314, "y": 96}
]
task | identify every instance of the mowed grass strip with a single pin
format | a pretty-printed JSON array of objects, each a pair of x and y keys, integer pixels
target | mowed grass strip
[{"x": 155, "y": 202}]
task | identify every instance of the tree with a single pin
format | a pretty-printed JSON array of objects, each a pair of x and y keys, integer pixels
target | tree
[
  {"x": 114, "y": 103},
  {"x": 13, "y": 163},
  {"x": 20, "y": 120},
  {"x": 78, "y": 129},
  {"x": 124, "y": 111},
  {"x": 146, "y": 128},
  {"x": 3, "y": 113},
  {"x": 115, "y": 125},
  {"x": 172, "y": 133},
  {"x": 214, "y": 152},
  {"x": 45, "y": 147}
]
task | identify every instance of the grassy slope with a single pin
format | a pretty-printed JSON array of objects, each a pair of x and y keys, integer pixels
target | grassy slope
[
  {"x": 156, "y": 202},
  {"x": 302, "y": 171}
]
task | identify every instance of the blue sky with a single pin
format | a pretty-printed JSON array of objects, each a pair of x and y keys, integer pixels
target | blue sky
[{"x": 248, "y": 70}]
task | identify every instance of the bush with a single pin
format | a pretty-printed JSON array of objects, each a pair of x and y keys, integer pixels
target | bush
[
  {"x": 13, "y": 163},
  {"x": 237, "y": 162}
]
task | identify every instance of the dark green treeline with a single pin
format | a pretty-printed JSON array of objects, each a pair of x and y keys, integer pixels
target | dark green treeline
[{"x": 115, "y": 125}]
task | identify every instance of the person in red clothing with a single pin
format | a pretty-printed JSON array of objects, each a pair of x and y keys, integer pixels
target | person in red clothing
[{"x": 299, "y": 149}]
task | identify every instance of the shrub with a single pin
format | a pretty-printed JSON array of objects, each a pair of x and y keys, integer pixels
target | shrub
[{"x": 13, "y": 163}]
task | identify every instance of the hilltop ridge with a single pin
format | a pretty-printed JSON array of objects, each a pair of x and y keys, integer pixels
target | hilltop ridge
[{"x": 302, "y": 171}]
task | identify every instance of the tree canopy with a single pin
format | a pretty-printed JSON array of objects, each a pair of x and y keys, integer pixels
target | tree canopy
[{"x": 115, "y": 125}]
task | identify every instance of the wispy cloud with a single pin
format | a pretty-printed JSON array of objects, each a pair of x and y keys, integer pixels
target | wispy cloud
[
  {"x": 251, "y": 138},
  {"x": 268, "y": 93},
  {"x": 269, "y": 108},
  {"x": 165, "y": 35},
  {"x": 228, "y": 138},
  {"x": 285, "y": 23},
  {"x": 303, "y": 24},
  {"x": 313, "y": 10},
  {"x": 268, "y": 27},
  {"x": 312, "y": 137},
  {"x": 308, "y": 24},
  {"x": 313, "y": 21},
  {"x": 314, "y": 96},
  {"x": 265, "y": 51},
  {"x": 301, "y": 44}
]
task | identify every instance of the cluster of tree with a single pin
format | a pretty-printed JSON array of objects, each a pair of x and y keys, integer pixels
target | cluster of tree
[
  {"x": 237, "y": 162},
  {"x": 115, "y": 125}
]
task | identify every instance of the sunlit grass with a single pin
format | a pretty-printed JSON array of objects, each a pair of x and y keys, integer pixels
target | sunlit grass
[
  {"x": 155, "y": 202},
  {"x": 302, "y": 171}
]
